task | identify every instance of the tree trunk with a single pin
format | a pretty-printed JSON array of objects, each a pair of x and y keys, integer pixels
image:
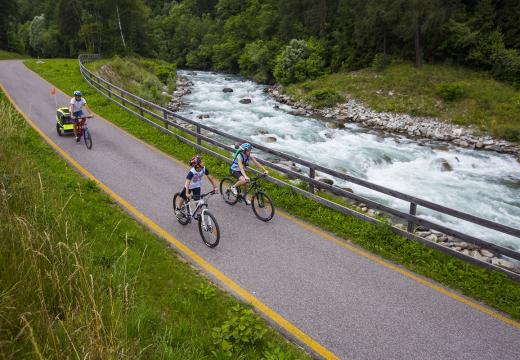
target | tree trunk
[
  {"x": 120, "y": 28},
  {"x": 418, "y": 50}
]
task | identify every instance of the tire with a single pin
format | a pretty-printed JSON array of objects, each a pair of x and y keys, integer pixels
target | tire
[
  {"x": 263, "y": 206},
  {"x": 58, "y": 129},
  {"x": 87, "y": 138},
  {"x": 210, "y": 235},
  {"x": 225, "y": 190},
  {"x": 182, "y": 218}
]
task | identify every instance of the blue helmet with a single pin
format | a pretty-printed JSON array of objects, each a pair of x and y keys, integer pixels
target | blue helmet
[
  {"x": 245, "y": 146},
  {"x": 77, "y": 93}
]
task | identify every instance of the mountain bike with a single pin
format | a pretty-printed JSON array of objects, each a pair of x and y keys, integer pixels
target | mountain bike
[
  {"x": 208, "y": 225},
  {"x": 83, "y": 130},
  {"x": 261, "y": 203}
]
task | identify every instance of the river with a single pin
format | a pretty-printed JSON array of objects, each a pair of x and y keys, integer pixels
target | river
[{"x": 481, "y": 183}]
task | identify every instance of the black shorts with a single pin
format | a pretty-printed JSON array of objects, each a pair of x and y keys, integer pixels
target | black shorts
[
  {"x": 236, "y": 174},
  {"x": 195, "y": 192}
]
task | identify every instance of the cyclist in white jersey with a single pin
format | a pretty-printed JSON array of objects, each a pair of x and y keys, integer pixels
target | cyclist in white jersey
[{"x": 193, "y": 182}]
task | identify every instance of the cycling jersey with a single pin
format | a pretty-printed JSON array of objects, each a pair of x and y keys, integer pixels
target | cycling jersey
[
  {"x": 245, "y": 161},
  {"x": 195, "y": 177}
]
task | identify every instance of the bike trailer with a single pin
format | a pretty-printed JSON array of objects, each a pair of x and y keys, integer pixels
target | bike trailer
[{"x": 64, "y": 122}]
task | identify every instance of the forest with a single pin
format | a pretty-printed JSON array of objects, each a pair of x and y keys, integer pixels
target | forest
[{"x": 284, "y": 41}]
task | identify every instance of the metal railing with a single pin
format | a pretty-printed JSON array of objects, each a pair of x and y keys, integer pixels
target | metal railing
[{"x": 166, "y": 119}]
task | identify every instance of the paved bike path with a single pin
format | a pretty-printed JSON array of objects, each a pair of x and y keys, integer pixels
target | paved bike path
[{"x": 355, "y": 306}]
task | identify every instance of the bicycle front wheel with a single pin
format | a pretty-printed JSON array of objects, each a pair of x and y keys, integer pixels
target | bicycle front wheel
[
  {"x": 263, "y": 206},
  {"x": 180, "y": 211},
  {"x": 88, "y": 138},
  {"x": 225, "y": 190},
  {"x": 209, "y": 230}
]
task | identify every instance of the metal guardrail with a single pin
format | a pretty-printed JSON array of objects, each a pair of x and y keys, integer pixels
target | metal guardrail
[{"x": 141, "y": 107}]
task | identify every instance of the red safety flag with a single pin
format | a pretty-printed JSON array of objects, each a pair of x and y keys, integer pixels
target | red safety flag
[{"x": 53, "y": 91}]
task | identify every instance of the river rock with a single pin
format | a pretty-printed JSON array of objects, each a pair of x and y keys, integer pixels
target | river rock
[
  {"x": 326, "y": 181},
  {"x": 503, "y": 263},
  {"x": 332, "y": 125},
  {"x": 270, "y": 139},
  {"x": 227, "y": 90},
  {"x": 486, "y": 253},
  {"x": 192, "y": 73},
  {"x": 261, "y": 131},
  {"x": 297, "y": 112},
  {"x": 245, "y": 101},
  {"x": 203, "y": 116},
  {"x": 443, "y": 165}
]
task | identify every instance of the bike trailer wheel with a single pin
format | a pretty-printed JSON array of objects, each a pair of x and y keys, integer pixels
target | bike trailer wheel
[
  {"x": 225, "y": 190},
  {"x": 208, "y": 229},
  {"x": 58, "y": 129},
  {"x": 263, "y": 206}
]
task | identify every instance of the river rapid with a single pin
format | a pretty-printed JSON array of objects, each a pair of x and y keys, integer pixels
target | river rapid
[{"x": 482, "y": 183}]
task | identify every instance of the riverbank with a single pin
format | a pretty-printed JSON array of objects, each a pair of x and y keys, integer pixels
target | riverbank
[{"x": 413, "y": 127}]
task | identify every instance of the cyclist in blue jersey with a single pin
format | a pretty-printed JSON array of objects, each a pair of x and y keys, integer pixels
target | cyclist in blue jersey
[
  {"x": 238, "y": 167},
  {"x": 194, "y": 180}
]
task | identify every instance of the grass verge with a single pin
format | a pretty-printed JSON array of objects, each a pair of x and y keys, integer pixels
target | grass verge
[
  {"x": 493, "y": 288},
  {"x": 8, "y": 55},
  {"x": 80, "y": 278},
  {"x": 451, "y": 93}
]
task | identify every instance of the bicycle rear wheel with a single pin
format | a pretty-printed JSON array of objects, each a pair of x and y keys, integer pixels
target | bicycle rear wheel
[
  {"x": 263, "y": 206},
  {"x": 180, "y": 212},
  {"x": 88, "y": 138},
  {"x": 225, "y": 190},
  {"x": 209, "y": 230}
]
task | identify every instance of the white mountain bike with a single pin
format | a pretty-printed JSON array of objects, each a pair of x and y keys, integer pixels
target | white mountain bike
[{"x": 208, "y": 226}]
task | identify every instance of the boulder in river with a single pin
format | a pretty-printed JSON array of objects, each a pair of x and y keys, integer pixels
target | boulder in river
[
  {"x": 326, "y": 181},
  {"x": 270, "y": 139},
  {"x": 203, "y": 116},
  {"x": 443, "y": 165},
  {"x": 297, "y": 112},
  {"x": 192, "y": 73},
  {"x": 227, "y": 90},
  {"x": 245, "y": 101}
]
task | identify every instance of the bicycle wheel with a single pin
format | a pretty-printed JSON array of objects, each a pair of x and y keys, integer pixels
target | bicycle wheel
[
  {"x": 180, "y": 212},
  {"x": 209, "y": 230},
  {"x": 225, "y": 190},
  {"x": 88, "y": 138},
  {"x": 263, "y": 206}
]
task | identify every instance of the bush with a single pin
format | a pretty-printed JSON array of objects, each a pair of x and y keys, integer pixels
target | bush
[
  {"x": 324, "y": 98},
  {"x": 257, "y": 60},
  {"x": 243, "y": 329},
  {"x": 451, "y": 91},
  {"x": 380, "y": 62},
  {"x": 298, "y": 61}
]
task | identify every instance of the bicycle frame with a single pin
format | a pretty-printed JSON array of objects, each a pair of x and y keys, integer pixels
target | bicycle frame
[
  {"x": 253, "y": 185},
  {"x": 200, "y": 204}
]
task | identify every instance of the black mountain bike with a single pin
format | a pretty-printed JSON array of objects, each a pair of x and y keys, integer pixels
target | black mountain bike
[
  {"x": 208, "y": 225},
  {"x": 261, "y": 203}
]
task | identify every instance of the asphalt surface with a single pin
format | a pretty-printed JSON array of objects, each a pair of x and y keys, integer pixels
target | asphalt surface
[{"x": 354, "y": 306}]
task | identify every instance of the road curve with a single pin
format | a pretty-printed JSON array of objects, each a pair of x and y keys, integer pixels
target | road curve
[{"x": 355, "y": 305}]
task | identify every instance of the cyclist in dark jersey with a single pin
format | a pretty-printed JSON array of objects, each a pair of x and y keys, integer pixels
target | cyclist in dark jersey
[{"x": 238, "y": 167}]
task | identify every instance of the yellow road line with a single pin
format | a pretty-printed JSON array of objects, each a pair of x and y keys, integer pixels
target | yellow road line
[
  {"x": 266, "y": 310},
  {"x": 368, "y": 255}
]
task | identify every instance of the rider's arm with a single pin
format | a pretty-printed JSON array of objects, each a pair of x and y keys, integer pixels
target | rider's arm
[
  {"x": 210, "y": 179},
  {"x": 187, "y": 187},
  {"x": 258, "y": 164}
]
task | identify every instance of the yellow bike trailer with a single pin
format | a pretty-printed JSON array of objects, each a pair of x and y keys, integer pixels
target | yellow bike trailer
[{"x": 64, "y": 123}]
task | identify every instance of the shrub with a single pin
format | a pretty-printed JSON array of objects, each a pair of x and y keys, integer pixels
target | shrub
[
  {"x": 451, "y": 91},
  {"x": 243, "y": 329},
  {"x": 298, "y": 61},
  {"x": 380, "y": 62},
  {"x": 257, "y": 60},
  {"x": 324, "y": 98}
]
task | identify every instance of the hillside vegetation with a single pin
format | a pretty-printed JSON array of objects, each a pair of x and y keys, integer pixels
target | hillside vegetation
[
  {"x": 153, "y": 80},
  {"x": 449, "y": 92}
]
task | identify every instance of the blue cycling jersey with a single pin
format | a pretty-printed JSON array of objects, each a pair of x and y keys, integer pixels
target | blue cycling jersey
[{"x": 243, "y": 158}]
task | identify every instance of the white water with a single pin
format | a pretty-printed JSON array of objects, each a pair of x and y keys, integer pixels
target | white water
[{"x": 484, "y": 184}]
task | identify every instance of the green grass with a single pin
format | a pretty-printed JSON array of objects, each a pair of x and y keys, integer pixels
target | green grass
[
  {"x": 493, "y": 288},
  {"x": 489, "y": 105},
  {"x": 8, "y": 55},
  {"x": 80, "y": 278},
  {"x": 144, "y": 77}
]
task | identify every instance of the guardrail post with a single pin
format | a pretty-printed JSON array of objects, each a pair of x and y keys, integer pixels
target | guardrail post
[
  {"x": 141, "y": 110},
  {"x": 109, "y": 91},
  {"x": 413, "y": 211},
  {"x": 312, "y": 175},
  {"x": 122, "y": 97},
  {"x": 198, "y": 133},
  {"x": 165, "y": 118}
]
